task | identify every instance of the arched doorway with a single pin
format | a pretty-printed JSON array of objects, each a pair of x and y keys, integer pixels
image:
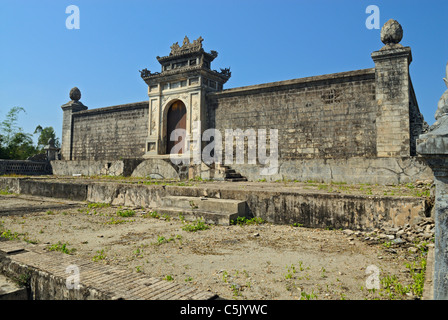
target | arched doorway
[{"x": 176, "y": 119}]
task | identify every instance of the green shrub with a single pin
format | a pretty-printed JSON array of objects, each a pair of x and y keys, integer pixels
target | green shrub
[
  {"x": 62, "y": 247},
  {"x": 244, "y": 221},
  {"x": 125, "y": 213},
  {"x": 199, "y": 225}
]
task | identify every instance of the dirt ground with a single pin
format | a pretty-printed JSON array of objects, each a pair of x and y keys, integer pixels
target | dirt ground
[{"x": 253, "y": 262}]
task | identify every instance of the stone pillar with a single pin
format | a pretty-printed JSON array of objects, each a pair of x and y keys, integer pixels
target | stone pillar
[
  {"x": 67, "y": 122},
  {"x": 433, "y": 148},
  {"x": 392, "y": 91}
]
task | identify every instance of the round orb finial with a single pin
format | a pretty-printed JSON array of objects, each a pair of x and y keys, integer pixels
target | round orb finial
[
  {"x": 391, "y": 33},
  {"x": 75, "y": 94}
]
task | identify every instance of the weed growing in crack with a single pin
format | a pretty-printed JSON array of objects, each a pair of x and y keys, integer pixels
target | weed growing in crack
[
  {"x": 61, "y": 247},
  {"x": 152, "y": 214},
  {"x": 100, "y": 255},
  {"x": 93, "y": 205},
  {"x": 9, "y": 235},
  {"x": 307, "y": 296},
  {"x": 197, "y": 226},
  {"x": 161, "y": 239},
  {"x": 125, "y": 213},
  {"x": 241, "y": 221}
]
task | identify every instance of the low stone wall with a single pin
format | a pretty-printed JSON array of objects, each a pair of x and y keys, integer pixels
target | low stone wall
[
  {"x": 273, "y": 204},
  {"x": 123, "y": 167},
  {"x": 38, "y": 187},
  {"x": 25, "y": 167},
  {"x": 382, "y": 171},
  {"x": 316, "y": 210},
  {"x": 50, "y": 189},
  {"x": 155, "y": 168}
]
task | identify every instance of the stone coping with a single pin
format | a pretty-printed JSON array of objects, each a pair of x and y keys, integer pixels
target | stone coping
[
  {"x": 141, "y": 104},
  {"x": 341, "y": 76}
]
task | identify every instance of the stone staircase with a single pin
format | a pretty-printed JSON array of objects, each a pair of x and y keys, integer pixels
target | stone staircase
[
  {"x": 230, "y": 174},
  {"x": 212, "y": 210}
]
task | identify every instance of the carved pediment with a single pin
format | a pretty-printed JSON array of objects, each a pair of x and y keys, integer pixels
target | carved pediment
[{"x": 187, "y": 46}]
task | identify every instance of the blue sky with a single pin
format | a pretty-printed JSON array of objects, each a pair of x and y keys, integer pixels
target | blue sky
[{"x": 260, "y": 40}]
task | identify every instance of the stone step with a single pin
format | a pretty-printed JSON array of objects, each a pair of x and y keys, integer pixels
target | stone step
[
  {"x": 10, "y": 290},
  {"x": 209, "y": 217},
  {"x": 236, "y": 179},
  {"x": 232, "y": 175},
  {"x": 212, "y": 210},
  {"x": 205, "y": 204}
]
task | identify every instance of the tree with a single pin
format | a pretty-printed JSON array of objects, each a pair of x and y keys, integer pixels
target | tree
[
  {"x": 18, "y": 145},
  {"x": 14, "y": 143},
  {"x": 45, "y": 134},
  {"x": 21, "y": 146},
  {"x": 2, "y": 149},
  {"x": 9, "y": 125}
]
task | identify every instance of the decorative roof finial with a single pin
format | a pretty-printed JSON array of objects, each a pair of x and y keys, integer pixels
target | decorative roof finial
[
  {"x": 391, "y": 33},
  {"x": 75, "y": 94},
  {"x": 186, "y": 41},
  {"x": 187, "y": 46}
]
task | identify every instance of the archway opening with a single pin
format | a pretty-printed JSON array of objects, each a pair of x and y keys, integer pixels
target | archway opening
[{"x": 176, "y": 119}]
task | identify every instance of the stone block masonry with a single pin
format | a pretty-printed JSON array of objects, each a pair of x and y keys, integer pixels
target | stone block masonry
[
  {"x": 330, "y": 116},
  {"x": 356, "y": 170},
  {"x": 369, "y": 114},
  {"x": 111, "y": 133},
  {"x": 392, "y": 92},
  {"x": 123, "y": 167}
]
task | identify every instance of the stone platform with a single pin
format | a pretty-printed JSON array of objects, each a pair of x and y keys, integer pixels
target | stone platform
[
  {"x": 47, "y": 274},
  {"x": 309, "y": 204}
]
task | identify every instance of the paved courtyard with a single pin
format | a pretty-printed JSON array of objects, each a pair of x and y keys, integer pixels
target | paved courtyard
[{"x": 250, "y": 261}]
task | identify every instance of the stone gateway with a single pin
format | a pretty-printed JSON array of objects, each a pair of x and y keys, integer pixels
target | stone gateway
[{"x": 356, "y": 126}]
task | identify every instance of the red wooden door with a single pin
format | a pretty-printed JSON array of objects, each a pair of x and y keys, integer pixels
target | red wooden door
[{"x": 176, "y": 119}]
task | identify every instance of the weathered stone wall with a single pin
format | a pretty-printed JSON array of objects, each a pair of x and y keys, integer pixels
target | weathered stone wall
[
  {"x": 353, "y": 119},
  {"x": 111, "y": 133},
  {"x": 123, "y": 167},
  {"x": 274, "y": 204},
  {"x": 417, "y": 123},
  {"x": 382, "y": 171},
  {"x": 330, "y": 116},
  {"x": 392, "y": 91}
]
